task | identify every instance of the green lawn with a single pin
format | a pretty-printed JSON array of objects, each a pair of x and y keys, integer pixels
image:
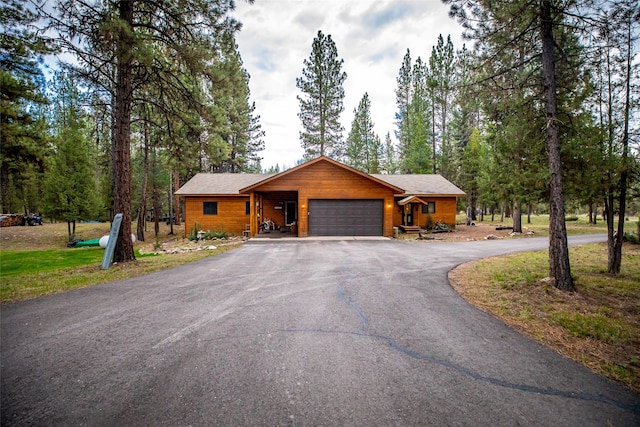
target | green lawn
[
  {"x": 30, "y": 274},
  {"x": 15, "y": 263}
]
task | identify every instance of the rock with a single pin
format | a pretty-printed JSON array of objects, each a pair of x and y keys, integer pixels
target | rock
[{"x": 492, "y": 237}]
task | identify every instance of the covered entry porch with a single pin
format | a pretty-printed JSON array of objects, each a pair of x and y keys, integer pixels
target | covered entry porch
[{"x": 275, "y": 213}]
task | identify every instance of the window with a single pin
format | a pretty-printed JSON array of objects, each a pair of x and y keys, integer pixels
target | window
[
  {"x": 210, "y": 208},
  {"x": 429, "y": 208},
  {"x": 247, "y": 208}
]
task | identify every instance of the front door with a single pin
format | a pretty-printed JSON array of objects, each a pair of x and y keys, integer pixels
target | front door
[
  {"x": 408, "y": 214},
  {"x": 290, "y": 212}
]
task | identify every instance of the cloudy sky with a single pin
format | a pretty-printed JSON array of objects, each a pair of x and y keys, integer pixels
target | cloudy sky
[{"x": 372, "y": 36}]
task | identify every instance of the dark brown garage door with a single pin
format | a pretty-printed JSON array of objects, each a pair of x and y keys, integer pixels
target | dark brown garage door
[{"x": 345, "y": 217}]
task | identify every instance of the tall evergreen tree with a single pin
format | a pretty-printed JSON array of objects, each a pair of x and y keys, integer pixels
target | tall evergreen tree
[
  {"x": 417, "y": 158},
  {"x": 389, "y": 163},
  {"x": 22, "y": 129},
  {"x": 441, "y": 64},
  {"x": 617, "y": 77},
  {"x": 363, "y": 149},
  {"x": 123, "y": 46},
  {"x": 412, "y": 117},
  {"x": 514, "y": 37},
  {"x": 465, "y": 117},
  {"x": 242, "y": 131},
  {"x": 474, "y": 160},
  {"x": 322, "y": 98},
  {"x": 70, "y": 186},
  {"x": 403, "y": 101}
]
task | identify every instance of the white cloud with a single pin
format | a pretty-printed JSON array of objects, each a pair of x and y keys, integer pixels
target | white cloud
[{"x": 371, "y": 36}]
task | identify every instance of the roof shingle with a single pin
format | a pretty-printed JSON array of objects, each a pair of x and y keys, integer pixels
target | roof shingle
[
  {"x": 220, "y": 183},
  {"x": 231, "y": 183},
  {"x": 422, "y": 185}
]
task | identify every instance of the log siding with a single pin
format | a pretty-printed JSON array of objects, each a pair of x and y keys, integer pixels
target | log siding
[{"x": 246, "y": 200}]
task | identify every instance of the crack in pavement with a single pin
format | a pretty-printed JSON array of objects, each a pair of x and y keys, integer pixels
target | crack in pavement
[
  {"x": 364, "y": 324},
  {"x": 473, "y": 374}
]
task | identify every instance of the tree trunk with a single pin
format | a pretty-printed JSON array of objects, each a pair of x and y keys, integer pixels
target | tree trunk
[
  {"x": 121, "y": 144},
  {"x": 171, "y": 206},
  {"x": 529, "y": 213},
  {"x": 176, "y": 187},
  {"x": 433, "y": 135},
  {"x": 624, "y": 174},
  {"x": 559, "y": 265},
  {"x": 71, "y": 234},
  {"x": 4, "y": 185},
  {"x": 611, "y": 235},
  {"x": 517, "y": 218},
  {"x": 156, "y": 210},
  {"x": 145, "y": 183},
  {"x": 474, "y": 205}
]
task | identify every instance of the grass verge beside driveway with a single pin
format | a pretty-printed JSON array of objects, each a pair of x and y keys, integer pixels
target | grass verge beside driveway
[
  {"x": 46, "y": 274},
  {"x": 597, "y": 326},
  {"x": 34, "y": 261}
]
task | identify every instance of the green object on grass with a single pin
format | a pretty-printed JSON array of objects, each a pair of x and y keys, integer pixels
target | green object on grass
[{"x": 92, "y": 242}]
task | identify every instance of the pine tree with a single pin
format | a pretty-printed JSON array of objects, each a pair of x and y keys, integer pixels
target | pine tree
[
  {"x": 255, "y": 143},
  {"x": 412, "y": 117},
  {"x": 441, "y": 64},
  {"x": 70, "y": 186},
  {"x": 474, "y": 159},
  {"x": 617, "y": 72},
  {"x": 363, "y": 148},
  {"x": 241, "y": 131},
  {"x": 129, "y": 45},
  {"x": 466, "y": 108},
  {"x": 322, "y": 101},
  {"x": 522, "y": 43},
  {"x": 389, "y": 163},
  {"x": 417, "y": 159},
  {"x": 21, "y": 92},
  {"x": 403, "y": 102}
]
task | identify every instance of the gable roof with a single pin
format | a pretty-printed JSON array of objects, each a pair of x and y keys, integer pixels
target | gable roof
[
  {"x": 410, "y": 199},
  {"x": 318, "y": 160},
  {"x": 423, "y": 185},
  {"x": 229, "y": 184},
  {"x": 220, "y": 183}
]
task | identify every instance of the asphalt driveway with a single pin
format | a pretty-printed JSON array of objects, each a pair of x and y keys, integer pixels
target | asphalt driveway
[{"x": 326, "y": 333}]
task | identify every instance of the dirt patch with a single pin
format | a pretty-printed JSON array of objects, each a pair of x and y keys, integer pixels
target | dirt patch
[
  {"x": 180, "y": 245},
  {"x": 464, "y": 233}
]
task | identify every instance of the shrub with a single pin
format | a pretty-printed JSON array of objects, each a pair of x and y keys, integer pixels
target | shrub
[
  {"x": 193, "y": 233},
  {"x": 429, "y": 222},
  {"x": 215, "y": 234},
  {"x": 632, "y": 238},
  {"x": 571, "y": 218}
]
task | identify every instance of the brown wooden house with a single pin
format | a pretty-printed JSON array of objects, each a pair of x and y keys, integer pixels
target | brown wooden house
[{"x": 321, "y": 197}]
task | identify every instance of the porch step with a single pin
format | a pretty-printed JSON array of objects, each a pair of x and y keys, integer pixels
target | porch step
[{"x": 410, "y": 228}]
